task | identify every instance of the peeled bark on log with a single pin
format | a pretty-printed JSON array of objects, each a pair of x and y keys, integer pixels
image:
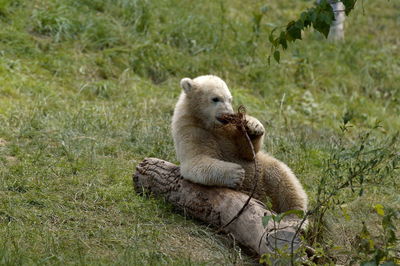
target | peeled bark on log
[{"x": 216, "y": 206}]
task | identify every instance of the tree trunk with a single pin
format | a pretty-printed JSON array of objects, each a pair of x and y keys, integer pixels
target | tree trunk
[
  {"x": 336, "y": 31},
  {"x": 217, "y": 206}
]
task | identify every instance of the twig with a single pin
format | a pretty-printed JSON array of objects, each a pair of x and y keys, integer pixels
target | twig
[{"x": 240, "y": 121}]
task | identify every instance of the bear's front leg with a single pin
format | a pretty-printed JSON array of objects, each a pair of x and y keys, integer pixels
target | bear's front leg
[{"x": 212, "y": 172}]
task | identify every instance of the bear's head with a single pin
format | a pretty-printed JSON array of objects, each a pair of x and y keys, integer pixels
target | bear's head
[{"x": 209, "y": 99}]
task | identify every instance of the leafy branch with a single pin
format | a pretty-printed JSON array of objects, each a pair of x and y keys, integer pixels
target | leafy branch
[{"x": 320, "y": 17}]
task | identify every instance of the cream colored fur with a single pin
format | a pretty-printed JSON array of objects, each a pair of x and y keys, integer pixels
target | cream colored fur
[{"x": 214, "y": 154}]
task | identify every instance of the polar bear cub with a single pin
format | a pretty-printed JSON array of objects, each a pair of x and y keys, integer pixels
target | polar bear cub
[{"x": 214, "y": 154}]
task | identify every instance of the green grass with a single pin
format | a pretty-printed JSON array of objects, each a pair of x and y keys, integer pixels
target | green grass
[{"x": 87, "y": 90}]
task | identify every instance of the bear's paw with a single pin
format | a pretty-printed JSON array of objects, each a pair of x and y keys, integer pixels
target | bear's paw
[
  {"x": 254, "y": 127},
  {"x": 235, "y": 176}
]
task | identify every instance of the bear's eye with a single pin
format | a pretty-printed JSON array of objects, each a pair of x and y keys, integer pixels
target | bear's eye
[{"x": 215, "y": 99}]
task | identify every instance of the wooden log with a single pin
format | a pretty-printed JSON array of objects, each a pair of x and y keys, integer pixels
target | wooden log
[{"x": 216, "y": 206}]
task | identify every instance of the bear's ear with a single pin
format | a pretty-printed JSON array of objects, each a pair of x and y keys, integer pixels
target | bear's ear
[{"x": 187, "y": 85}]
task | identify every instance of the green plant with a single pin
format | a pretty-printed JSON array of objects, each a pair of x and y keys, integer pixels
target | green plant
[
  {"x": 348, "y": 170},
  {"x": 381, "y": 249}
]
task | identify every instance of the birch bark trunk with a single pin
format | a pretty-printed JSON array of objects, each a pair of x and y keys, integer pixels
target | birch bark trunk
[{"x": 336, "y": 31}]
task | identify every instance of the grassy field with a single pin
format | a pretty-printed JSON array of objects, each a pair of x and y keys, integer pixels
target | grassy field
[{"x": 87, "y": 90}]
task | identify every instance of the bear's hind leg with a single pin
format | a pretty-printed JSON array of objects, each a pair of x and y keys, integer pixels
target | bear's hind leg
[{"x": 281, "y": 185}]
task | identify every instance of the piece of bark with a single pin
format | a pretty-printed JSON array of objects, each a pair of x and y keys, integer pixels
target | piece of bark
[{"x": 216, "y": 206}]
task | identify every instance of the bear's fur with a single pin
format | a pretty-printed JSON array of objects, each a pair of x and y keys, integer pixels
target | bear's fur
[{"x": 215, "y": 154}]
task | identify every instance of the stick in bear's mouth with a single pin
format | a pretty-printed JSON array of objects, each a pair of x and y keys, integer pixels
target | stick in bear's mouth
[
  {"x": 237, "y": 119},
  {"x": 224, "y": 120}
]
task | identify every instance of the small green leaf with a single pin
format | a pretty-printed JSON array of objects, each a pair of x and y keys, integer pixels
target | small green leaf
[
  {"x": 278, "y": 218},
  {"x": 379, "y": 209},
  {"x": 349, "y": 5},
  {"x": 293, "y": 31},
  {"x": 272, "y": 38},
  {"x": 298, "y": 213},
  {"x": 328, "y": 17},
  {"x": 305, "y": 18},
  {"x": 313, "y": 16},
  {"x": 277, "y": 56},
  {"x": 322, "y": 27},
  {"x": 290, "y": 24},
  {"x": 266, "y": 219},
  {"x": 282, "y": 40},
  {"x": 299, "y": 24}
]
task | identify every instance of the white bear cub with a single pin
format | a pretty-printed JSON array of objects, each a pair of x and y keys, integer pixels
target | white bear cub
[
  {"x": 213, "y": 153},
  {"x": 203, "y": 101}
]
